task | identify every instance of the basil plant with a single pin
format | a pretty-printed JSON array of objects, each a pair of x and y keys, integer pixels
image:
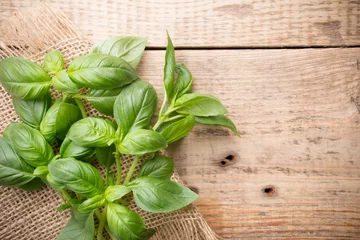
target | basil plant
[{"x": 28, "y": 159}]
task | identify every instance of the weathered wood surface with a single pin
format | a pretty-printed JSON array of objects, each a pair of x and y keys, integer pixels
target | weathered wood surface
[
  {"x": 204, "y": 23},
  {"x": 299, "y": 115}
]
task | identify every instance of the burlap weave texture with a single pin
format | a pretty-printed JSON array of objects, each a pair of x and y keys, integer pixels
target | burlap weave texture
[{"x": 32, "y": 215}]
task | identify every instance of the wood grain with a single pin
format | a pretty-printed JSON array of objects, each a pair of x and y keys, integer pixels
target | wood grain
[
  {"x": 204, "y": 23},
  {"x": 299, "y": 115}
]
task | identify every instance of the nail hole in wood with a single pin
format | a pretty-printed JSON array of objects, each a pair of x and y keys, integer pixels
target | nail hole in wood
[
  {"x": 230, "y": 157},
  {"x": 227, "y": 160},
  {"x": 269, "y": 191}
]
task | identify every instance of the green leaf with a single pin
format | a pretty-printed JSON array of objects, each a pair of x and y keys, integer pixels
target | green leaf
[
  {"x": 23, "y": 79},
  {"x": 106, "y": 156},
  {"x": 110, "y": 179},
  {"x": 199, "y": 105},
  {"x": 103, "y": 100},
  {"x": 219, "y": 120},
  {"x": 178, "y": 129},
  {"x": 54, "y": 62},
  {"x": 80, "y": 227},
  {"x": 13, "y": 170},
  {"x": 161, "y": 167},
  {"x": 66, "y": 116},
  {"x": 63, "y": 207},
  {"x": 92, "y": 132},
  {"x": 183, "y": 82},
  {"x": 126, "y": 224},
  {"x": 31, "y": 112},
  {"x": 101, "y": 71},
  {"x": 116, "y": 192},
  {"x": 169, "y": 68},
  {"x": 41, "y": 171},
  {"x": 69, "y": 149},
  {"x": 77, "y": 176},
  {"x": 92, "y": 203},
  {"x": 30, "y": 145},
  {"x": 135, "y": 107},
  {"x": 128, "y": 48},
  {"x": 54, "y": 184},
  {"x": 61, "y": 81},
  {"x": 59, "y": 119},
  {"x": 142, "y": 141},
  {"x": 160, "y": 196},
  {"x": 33, "y": 185}
]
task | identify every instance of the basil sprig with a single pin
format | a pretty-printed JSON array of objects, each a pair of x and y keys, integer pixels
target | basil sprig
[{"x": 114, "y": 88}]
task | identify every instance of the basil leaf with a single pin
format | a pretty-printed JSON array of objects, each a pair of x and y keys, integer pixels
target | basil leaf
[
  {"x": 128, "y": 48},
  {"x": 106, "y": 156},
  {"x": 183, "y": 82},
  {"x": 135, "y": 107},
  {"x": 103, "y": 100},
  {"x": 92, "y": 132},
  {"x": 70, "y": 149},
  {"x": 161, "y": 167},
  {"x": 77, "y": 176},
  {"x": 116, "y": 192},
  {"x": 63, "y": 207},
  {"x": 31, "y": 112},
  {"x": 30, "y": 145},
  {"x": 13, "y": 170},
  {"x": 66, "y": 116},
  {"x": 54, "y": 62},
  {"x": 220, "y": 120},
  {"x": 33, "y": 185},
  {"x": 23, "y": 78},
  {"x": 126, "y": 224},
  {"x": 142, "y": 141},
  {"x": 169, "y": 68},
  {"x": 61, "y": 81},
  {"x": 80, "y": 227},
  {"x": 59, "y": 119},
  {"x": 111, "y": 179},
  {"x": 178, "y": 129},
  {"x": 199, "y": 105},
  {"x": 41, "y": 171},
  {"x": 160, "y": 196},
  {"x": 101, "y": 71},
  {"x": 92, "y": 203},
  {"x": 54, "y": 184}
]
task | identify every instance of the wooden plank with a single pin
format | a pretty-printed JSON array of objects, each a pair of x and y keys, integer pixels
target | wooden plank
[
  {"x": 299, "y": 115},
  {"x": 231, "y": 23}
]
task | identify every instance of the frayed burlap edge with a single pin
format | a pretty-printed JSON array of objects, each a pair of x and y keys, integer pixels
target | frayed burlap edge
[{"x": 32, "y": 215}]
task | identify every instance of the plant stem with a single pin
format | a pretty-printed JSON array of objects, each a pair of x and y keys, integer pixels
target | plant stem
[
  {"x": 81, "y": 107},
  {"x": 98, "y": 215},
  {"x": 79, "y": 96},
  {"x": 173, "y": 118},
  {"x": 101, "y": 224},
  {"x": 162, "y": 117},
  {"x": 131, "y": 170},
  {"x": 118, "y": 168}
]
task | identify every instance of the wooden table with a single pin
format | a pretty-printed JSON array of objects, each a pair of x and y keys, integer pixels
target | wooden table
[{"x": 289, "y": 73}]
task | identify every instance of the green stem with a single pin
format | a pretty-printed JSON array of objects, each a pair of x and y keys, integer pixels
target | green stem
[
  {"x": 79, "y": 96},
  {"x": 106, "y": 176},
  {"x": 101, "y": 224},
  {"x": 173, "y": 118},
  {"x": 131, "y": 170},
  {"x": 98, "y": 215},
  {"x": 118, "y": 168},
  {"x": 163, "y": 117},
  {"x": 81, "y": 107}
]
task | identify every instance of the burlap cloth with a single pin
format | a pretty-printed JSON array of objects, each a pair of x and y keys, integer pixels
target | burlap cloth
[{"x": 32, "y": 215}]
